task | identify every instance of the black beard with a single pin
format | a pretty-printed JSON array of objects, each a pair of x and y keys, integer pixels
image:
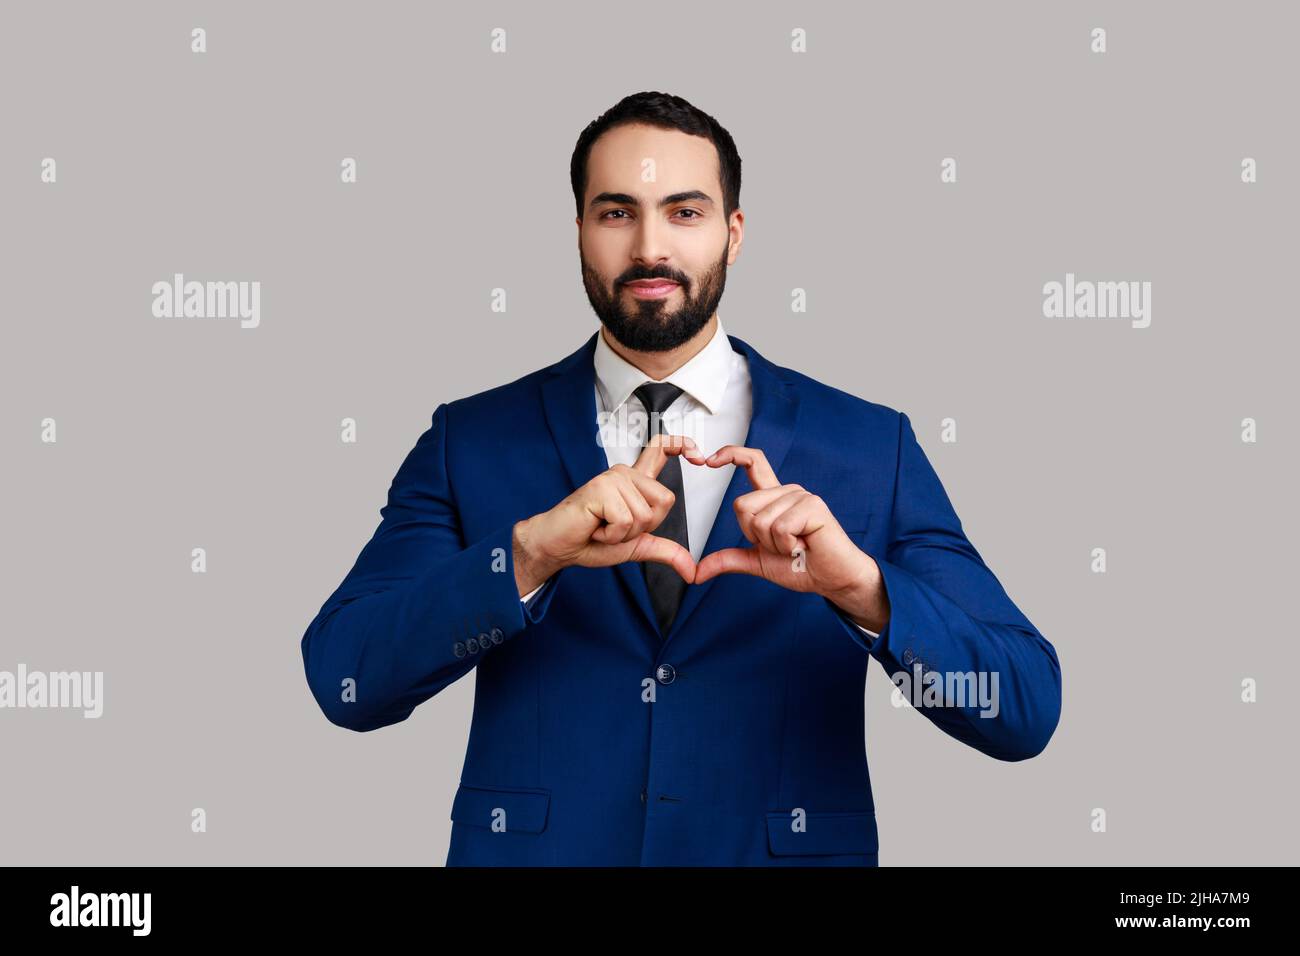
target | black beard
[{"x": 649, "y": 329}]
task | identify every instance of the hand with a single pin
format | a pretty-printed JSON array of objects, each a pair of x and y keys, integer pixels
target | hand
[
  {"x": 798, "y": 543},
  {"x": 607, "y": 521}
]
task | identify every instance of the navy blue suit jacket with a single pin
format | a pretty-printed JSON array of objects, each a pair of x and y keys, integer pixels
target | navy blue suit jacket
[{"x": 735, "y": 739}]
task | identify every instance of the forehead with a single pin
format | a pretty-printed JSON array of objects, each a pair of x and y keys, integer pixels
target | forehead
[{"x": 681, "y": 161}]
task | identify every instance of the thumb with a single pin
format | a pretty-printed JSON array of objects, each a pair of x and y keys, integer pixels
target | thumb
[
  {"x": 729, "y": 561},
  {"x": 651, "y": 547}
]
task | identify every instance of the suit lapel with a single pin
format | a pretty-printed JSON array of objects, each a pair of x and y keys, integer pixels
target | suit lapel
[{"x": 569, "y": 404}]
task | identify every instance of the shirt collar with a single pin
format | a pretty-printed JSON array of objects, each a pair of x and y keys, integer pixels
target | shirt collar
[{"x": 704, "y": 377}]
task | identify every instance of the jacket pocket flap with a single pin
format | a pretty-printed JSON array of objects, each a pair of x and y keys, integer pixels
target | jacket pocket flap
[
  {"x": 823, "y": 833},
  {"x": 515, "y": 810}
]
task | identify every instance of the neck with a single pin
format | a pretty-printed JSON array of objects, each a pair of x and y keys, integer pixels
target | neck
[{"x": 659, "y": 365}]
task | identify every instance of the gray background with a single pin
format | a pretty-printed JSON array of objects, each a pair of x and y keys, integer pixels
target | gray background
[{"x": 375, "y": 305}]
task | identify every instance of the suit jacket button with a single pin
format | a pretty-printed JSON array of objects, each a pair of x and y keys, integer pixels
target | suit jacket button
[
  {"x": 484, "y": 641},
  {"x": 472, "y": 645},
  {"x": 908, "y": 657},
  {"x": 459, "y": 649},
  {"x": 665, "y": 673},
  {"x": 498, "y": 635}
]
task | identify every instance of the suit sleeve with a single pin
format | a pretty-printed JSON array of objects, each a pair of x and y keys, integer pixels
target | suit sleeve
[
  {"x": 420, "y": 607},
  {"x": 949, "y": 614}
]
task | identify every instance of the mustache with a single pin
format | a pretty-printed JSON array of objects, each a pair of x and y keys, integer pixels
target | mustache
[{"x": 667, "y": 277}]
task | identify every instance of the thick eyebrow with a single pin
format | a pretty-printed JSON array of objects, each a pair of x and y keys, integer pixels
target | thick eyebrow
[{"x": 626, "y": 199}]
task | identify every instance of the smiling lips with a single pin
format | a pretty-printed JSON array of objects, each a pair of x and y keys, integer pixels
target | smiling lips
[{"x": 651, "y": 288}]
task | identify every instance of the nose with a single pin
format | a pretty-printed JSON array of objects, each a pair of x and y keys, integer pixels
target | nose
[{"x": 650, "y": 245}]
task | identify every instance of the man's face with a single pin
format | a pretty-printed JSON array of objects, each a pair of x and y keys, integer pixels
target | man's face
[{"x": 626, "y": 235}]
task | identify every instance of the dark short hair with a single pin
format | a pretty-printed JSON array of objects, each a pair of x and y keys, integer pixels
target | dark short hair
[{"x": 667, "y": 112}]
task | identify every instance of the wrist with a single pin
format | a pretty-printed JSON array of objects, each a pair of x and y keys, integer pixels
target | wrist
[
  {"x": 865, "y": 601},
  {"x": 531, "y": 569}
]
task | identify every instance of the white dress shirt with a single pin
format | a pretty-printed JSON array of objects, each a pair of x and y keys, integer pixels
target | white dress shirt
[{"x": 713, "y": 410}]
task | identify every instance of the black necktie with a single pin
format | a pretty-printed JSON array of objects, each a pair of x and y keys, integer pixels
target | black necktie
[{"x": 666, "y": 585}]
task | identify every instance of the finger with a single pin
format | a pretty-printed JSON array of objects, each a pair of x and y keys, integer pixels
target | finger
[
  {"x": 683, "y": 445},
  {"x": 657, "y": 495},
  {"x": 752, "y": 502},
  {"x": 752, "y": 460},
  {"x": 656, "y": 451},
  {"x": 691, "y": 452},
  {"x": 728, "y": 561},
  {"x": 651, "y": 547},
  {"x": 793, "y": 527},
  {"x": 613, "y": 510},
  {"x": 761, "y": 521},
  {"x": 644, "y": 517}
]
